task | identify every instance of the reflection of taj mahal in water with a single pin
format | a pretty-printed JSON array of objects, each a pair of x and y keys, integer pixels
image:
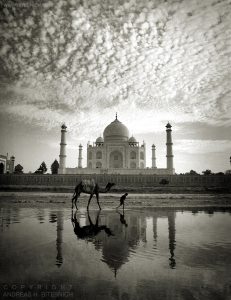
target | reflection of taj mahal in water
[
  {"x": 116, "y": 152},
  {"x": 125, "y": 240},
  {"x": 132, "y": 233}
]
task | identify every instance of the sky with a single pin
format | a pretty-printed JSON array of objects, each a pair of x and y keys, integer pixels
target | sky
[{"x": 151, "y": 61}]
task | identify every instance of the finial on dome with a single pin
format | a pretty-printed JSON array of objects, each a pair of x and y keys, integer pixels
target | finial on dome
[
  {"x": 116, "y": 115},
  {"x": 64, "y": 126}
]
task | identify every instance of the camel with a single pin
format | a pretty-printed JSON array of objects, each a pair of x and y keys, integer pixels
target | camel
[
  {"x": 88, "y": 232},
  {"x": 89, "y": 187}
]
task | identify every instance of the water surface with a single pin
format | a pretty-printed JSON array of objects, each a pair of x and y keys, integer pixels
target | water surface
[{"x": 141, "y": 254}]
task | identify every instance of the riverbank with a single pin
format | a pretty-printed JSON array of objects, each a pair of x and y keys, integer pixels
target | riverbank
[
  {"x": 121, "y": 189},
  {"x": 111, "y": 200}
]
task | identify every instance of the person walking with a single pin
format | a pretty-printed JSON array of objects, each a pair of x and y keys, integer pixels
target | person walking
[{"x": 122, "y": 199}]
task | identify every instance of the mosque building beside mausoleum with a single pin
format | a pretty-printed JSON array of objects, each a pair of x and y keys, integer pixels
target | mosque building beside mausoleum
[
  {"x": 116, "y": 153},
  {"x": 6, "y": 164}
]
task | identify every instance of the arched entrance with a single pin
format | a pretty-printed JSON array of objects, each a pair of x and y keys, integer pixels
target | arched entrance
[
  {"x": 133, "y": 165},
  {"x": 116, "y": 160},
  {"x": 98, "y": 164},
  {"x": 1, "y": 168}
]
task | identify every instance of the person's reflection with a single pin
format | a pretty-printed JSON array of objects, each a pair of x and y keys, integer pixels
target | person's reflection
[
  {"x": 172, "y": 241},
  {"x": 122, "y": 218},
  {"x": 91, "y": 230}
]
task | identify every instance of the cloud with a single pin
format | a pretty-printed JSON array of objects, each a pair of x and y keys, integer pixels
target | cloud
[
  {"x": 79, "y": 62},
  {"x": 201, "y": 146}
]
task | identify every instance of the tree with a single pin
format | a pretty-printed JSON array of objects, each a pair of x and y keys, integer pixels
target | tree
[
  {"x": 192, "y": 172},
  {"x": 55, "y": 167},
  {"x": 18, "y": 169},
  {"x": 164, "y": 181},
  {"x": 220, "y": 173},
  {"x": 42, "y": 169},
  {"x": 207, "y": 172}
]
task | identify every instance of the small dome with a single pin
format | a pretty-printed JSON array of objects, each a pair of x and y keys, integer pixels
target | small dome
[
  {"x": 116, "y": 130},
  {"x": 99, "y": 140},
  {"x": 132, "y": 140},
  {"x": 168, "y": 125}
]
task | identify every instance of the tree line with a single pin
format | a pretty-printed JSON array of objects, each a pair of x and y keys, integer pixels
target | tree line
[
  {"x": 206, "y": 172},
  {"x": 42, "y": 169}
]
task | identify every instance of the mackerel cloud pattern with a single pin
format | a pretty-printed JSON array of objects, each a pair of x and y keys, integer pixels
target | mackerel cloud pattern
[{"x": 77, "y": 59}]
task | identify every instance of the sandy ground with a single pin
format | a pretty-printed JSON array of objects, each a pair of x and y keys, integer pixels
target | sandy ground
[{"x": 36, "y": 199}]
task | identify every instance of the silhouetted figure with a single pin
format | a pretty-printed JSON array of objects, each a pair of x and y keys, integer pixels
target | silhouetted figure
[
  {"x": 89, "y": 187},
  {"x": 122, "y": 199},
  {"x": 91, "y": 230},
  {"x": 122, "y": 219}
]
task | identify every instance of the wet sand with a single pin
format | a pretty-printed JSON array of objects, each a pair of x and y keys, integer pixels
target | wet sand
[{"x": 110, "y": 200}]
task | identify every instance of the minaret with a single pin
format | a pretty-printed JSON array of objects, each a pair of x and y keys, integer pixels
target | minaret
[
  {"x": 11, "y": 169},
  {"x": 62, "y": 156},
  {"x": 80, "y": 156},
  {"x": 153, "y": 156},
  {"x": 144, "y": 144},
  {"x": 169, "y": 147}
]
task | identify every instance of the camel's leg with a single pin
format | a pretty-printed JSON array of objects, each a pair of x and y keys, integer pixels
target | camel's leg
[
  {"x": 89, "y": 201},
  {"x": 76, "y": 198},
  {"x": 97, "y": 198},
  {"x": 89, "y": 219},
  {"x": 72, "y": 218},
  {"x": 75, "y": 195},
  {"x": 97, "y": 219},
  {"x": 73, "y": 198}
]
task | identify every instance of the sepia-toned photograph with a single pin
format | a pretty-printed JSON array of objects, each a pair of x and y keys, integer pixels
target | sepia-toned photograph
[{"x": 115, "y": 149}]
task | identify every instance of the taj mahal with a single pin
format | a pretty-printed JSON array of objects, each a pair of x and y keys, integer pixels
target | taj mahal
[{"x": 116, "y": 153}]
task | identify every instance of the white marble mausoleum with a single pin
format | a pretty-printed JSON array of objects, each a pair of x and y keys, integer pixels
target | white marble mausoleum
[{"x": 116, "y": 152}]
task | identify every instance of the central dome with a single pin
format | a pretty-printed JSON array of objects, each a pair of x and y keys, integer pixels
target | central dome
[{"x": 116, "y": 131}]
